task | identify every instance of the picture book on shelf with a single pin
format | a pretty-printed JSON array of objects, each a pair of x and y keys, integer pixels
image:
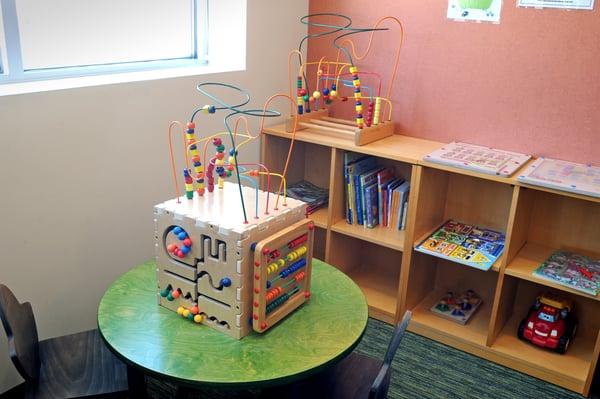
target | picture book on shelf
[
  {"x": 571, "y": 270},
  {"x": 355, "y": 164},
  {"x": 366, "y": 179},
  {"x": 478, "y": 158},
  {"x": 458, "y": 308},
  {"x": 563, "y": 175},
  {"x": 465, "y": 244}
]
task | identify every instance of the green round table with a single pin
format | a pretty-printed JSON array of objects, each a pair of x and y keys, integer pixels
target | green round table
[{"x": 155, "y": 341}]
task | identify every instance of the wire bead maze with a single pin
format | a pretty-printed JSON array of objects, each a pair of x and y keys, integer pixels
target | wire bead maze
[
  {"x": 201, "y": 181},
  {"x": 337, "y": 81}
]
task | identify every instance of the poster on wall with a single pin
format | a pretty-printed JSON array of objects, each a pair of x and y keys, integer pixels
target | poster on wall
[
  {"x": 475, "y": 10},
  {"x": 570, "y": 4}
]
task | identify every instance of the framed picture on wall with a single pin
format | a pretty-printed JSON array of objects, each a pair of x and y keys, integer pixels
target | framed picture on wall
[{"x": 569, "y": 4}]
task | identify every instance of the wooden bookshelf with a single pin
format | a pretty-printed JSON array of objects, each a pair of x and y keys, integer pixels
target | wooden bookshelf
[{"x": 395, "y": 277}]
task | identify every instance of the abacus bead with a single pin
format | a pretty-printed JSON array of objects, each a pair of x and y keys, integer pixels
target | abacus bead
[
  {"x": 263, "y": 325},
  {"x": 164, "y": 292},
  {"x": 257, "y": 291},
  {"x": 179, "y": 254},
  {"x": 198, "y": 318},
  {"x": 257, "y": 276},
  {"x": 185, "y": 313},
  {"x": 191, "y": 125},
  {"x": 177, "y": 230},
  {"x": 180, "y": 310},
  {"x": 170, "y": 297},
  {"x": 187, "y": 242},
  {"x": 194, "y": 309},
  {"x": 182, "y": 235},
  {"x": 185, "y": 249},
  {"x": 316, "y": 94},
  {"x": 190, "y": 316},
  {"x": 171, "y": 247},
  {"x": 175, "y": 294},
  {"x": 268, "y": 284}
]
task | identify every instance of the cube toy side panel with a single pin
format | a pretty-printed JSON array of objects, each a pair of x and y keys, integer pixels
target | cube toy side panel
[
  {"x": 217, "y": 267},
  {"x": 283, "y": 266}
]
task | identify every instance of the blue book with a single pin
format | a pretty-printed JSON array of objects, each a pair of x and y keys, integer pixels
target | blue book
[
  {"x": 367, "y": 179},
  {"x": 355, "y": 169},
  {"x": 350, "y": 158},
  {"x": 403, "y": 190},
  {"x": 372, "y": 207},
  {"x": 383, "y": 178}
]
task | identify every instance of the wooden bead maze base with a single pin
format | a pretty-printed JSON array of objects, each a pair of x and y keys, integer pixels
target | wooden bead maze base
[{"x": 321, "y": 122}]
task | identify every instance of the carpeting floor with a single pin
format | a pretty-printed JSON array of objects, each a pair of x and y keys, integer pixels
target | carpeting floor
[{"x": 425, "y": 369}]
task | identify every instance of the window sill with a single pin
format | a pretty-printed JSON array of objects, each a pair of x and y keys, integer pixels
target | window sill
[{"x": 35, "y": 86}]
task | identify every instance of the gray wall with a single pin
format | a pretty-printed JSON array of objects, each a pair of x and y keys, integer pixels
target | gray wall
[{"x": 81, "y": 169}]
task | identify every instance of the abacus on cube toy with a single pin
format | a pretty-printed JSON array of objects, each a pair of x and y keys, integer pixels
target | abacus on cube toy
[
  {"x": 216, "y": 264},
  {"x": 313, "y": 111}
]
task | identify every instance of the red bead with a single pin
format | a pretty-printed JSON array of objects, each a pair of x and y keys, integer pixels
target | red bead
[
  {"x": 257, "y": 264},
  {"x": 257, "y": 291},
  {"x": 266, "y": 251},
  {"x": 217, "y": 141},
  {"x": 306, "y": 294},
  {"x": 187, "y": 242},
  {"x": 180, "y": 254},
  {"x": 231, "y": 167},
  {"x": 255, "y": 316},
  {"x": 176, "y": 294},
  {"x": 172, "y": 248},
  {"x": 257, "y": 276},
  {"x": 255, "y": 304},
  {"x": 201, "y": 191},
  {"x": 302, "y": 92},
  {"x": 263, "y": 325},
  {"x": 311, "y": 99},
  {"x": 191, "y": 125}
]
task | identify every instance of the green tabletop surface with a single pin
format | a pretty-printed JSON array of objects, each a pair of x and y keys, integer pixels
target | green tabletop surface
[{"x": 161, "y": 343}]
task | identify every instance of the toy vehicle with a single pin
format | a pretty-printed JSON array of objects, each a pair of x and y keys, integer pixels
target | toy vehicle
[{"x": 549, "y": 324}]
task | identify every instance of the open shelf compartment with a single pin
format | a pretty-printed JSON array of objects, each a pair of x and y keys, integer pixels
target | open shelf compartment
[
  {"x": 571, "y": 370},
  {"x": 387, "y": 237},
  {"x": 429, "y": 279},
  {"x": 546, "y": 222},
  {"x": 376, "y": 270}
]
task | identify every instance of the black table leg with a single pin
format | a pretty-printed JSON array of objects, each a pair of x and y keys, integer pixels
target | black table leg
[{"x": 135, "y": 383}]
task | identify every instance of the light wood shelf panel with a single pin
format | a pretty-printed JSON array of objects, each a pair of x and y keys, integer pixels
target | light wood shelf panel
[
  {"x": 383, "y": 236},
  {"x": 528, "y": 259},
  {"x": 380, "y": 290},
  {"x": 474, "y": 332},
  {"x": 319, "y": 217},
  {"x": 569, "y": 370}
]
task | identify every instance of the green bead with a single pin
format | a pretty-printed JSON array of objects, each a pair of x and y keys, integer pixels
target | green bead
[
  {"x": 228, "y": 173},
  {"x": 170, "y": 297},
  {"x": 305, "y": 98},
  {"x": 189, "y": 194},
  {"x": 190, "y": 316},
  {"x": 164, "y": 292},
  {"x": 220, "y": 148}
]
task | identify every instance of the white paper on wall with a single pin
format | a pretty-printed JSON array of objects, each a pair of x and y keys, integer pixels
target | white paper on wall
[
  {"x": 475, "y": 10},
  {"x": 569, "y": 4}
]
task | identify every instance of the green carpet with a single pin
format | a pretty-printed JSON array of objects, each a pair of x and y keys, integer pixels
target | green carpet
[{"x": 425, "y": 369}]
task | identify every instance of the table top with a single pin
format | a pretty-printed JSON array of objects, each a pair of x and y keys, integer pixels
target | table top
[{"x": 160, "y": 343}]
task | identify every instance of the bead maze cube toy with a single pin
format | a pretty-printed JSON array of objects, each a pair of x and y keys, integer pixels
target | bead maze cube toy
[{"x": 218, "y": 264}]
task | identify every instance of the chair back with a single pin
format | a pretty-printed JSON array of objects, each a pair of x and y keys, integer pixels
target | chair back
[
  {"x": 21, "y": 331},
  {"x": 381, "y": 384}
]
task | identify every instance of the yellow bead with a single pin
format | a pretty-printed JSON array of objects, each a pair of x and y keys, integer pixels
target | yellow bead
[
  {"x": 356, "y": 82},
  {"x": 180, "y": 310},
  {"x": 281, "y": 262},
  {"x": 205, "y": 109},
  {"x": 185, "y": 313},
  {"x": 300, "y": 101},
  {"x": 333, "y": 94},
  {"x": 219, "y": 162},
  {"x": 353, "y": 69},
  {"x": 198, "y": 318},
  {"x": 359, "y": 108},
  {"x": 317, "y": 94}
]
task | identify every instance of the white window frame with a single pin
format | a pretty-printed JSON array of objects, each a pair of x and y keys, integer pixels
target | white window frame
[{"x": 15, "y": 72}]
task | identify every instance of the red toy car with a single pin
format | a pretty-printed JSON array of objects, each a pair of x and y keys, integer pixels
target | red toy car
[{"x": 549, "y": 324}]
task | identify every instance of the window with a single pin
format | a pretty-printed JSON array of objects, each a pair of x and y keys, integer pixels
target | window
[{"x": 42, "y": 40}]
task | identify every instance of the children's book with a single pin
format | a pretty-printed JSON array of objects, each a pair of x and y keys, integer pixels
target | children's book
[
  {"x": 388, "y": 199},
  {"x": 372, "y": 208},
  {"x": 355, "y": 169},
  {"x": 458, "y": 308},
  {"x": 350, "y": 158},
  {"x": 571, "y": 270},
  {"x": 366, "y": 179},
  {"x": 403, "y": 195},
  {"x": 478, "y": 158},
  {"x": 404, "y": 214},
  {"x": 383, "y": 178},
  {"x": 563, "y": 175},
  {"x": 465, "y": 244}
]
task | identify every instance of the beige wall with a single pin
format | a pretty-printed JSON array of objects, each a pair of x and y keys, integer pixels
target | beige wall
[{"x": 80, "y": 170}]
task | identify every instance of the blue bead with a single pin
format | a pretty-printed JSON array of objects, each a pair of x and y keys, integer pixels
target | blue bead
[
  {"x": 253, "y": 246},
  {"x": 182, "y": 235},
  {"x": 231, "y": 152},
  {"x": 268, "y": 284},
  {"x": 190, "y": 131},
  {"x": 193, "y": 147},
  {"x": 325, "y": 91},
  {"x": 333, "y": 86},
  {"x": 211, "y": 109},
  {"x": 198, "y": 163},
  {"x": 177, "y": 230},
  {"x": 225, "y": 281},
  {"x": 185, "y": 249},
  {"x": 357, "y": 90},
  {"x": 359, "y": 116}
]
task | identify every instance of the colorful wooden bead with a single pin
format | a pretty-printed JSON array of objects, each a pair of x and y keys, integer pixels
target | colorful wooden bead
[
  {"x": 176, "y": 293},
  {"x": 180, "y": 310},
  {"x": 185, "y": 313},
  {"x": 226, "y": 282},
  {"x": 316, "y": 94},
  {"x": 170, "y": 297},
  {"x": 198, "y": 318},
  {"x": 195, "y": 309}
]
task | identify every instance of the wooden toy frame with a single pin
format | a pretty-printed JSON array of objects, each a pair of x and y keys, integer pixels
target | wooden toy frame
[
  {"x": 321, "y": 122},
  {"x": 280, "y": 241}
]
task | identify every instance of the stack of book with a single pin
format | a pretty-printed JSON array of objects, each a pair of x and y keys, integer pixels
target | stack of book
[
  {"x": 316, "y": 197},
  {"x": 374, "y": 195}
]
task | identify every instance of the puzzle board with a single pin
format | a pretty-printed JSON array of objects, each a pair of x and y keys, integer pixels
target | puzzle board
[
  {"x": 563, "y": 175},
  {"x": 478, "y": 158},
  {"x": 457, "y": 308},
  {"x": 283, "y": 265},
  {"x": 466, "y": 244}
]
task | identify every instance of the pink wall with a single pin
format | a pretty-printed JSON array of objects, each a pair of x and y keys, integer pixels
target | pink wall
[{"x": 530, "y": 84}]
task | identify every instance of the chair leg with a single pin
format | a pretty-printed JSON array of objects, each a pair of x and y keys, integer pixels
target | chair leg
[{"x": 135, "y": 383}]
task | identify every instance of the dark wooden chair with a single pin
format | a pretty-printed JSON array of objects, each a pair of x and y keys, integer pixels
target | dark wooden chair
[
  {"x": 72, "y": 366},
  {"x": 356, "y": 377}
]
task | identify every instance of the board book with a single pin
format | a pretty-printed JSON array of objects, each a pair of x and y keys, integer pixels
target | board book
[
  {"x": 571, "y": 270},
  {"x": 478, "y": 158},
  {"x": 563, "y": 175},
  {"x": 465, "y": 244},
  {"x": 458, "y": 308}
]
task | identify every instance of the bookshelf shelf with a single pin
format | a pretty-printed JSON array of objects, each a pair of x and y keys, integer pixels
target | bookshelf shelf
[
  {"x": 394, "y": 277},
  {"x": 389, "y": 238},
  {"x": 529, "y": 258}
]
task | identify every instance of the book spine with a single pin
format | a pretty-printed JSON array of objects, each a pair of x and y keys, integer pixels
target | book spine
[
  {"x": 357, "y": 200},
  {"x": 368, "y": 209},
  {"x": 404, "y": 217}
]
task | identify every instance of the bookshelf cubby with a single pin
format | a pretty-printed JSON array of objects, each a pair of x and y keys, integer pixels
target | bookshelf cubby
[{"x": 394, "y": 277}]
